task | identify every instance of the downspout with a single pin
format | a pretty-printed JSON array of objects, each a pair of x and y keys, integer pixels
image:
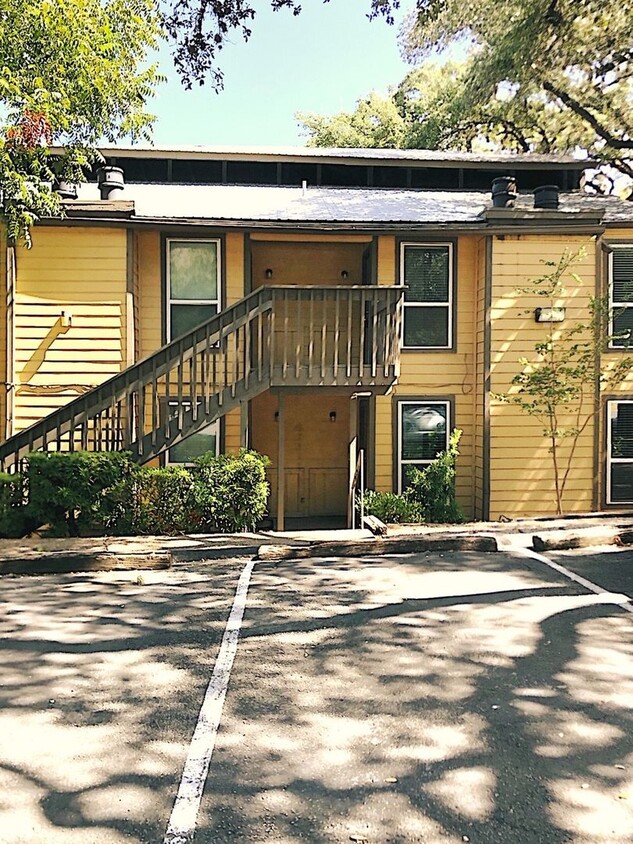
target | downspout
[{"x": 485, "y": 496}]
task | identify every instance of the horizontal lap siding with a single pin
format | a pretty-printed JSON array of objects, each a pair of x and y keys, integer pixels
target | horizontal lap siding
[
  {"x": 81, "y": 271},
  {"x": 3, "y": 334},
  {"x": 435, "y": 374},
  {"x": 521, "y": 473},
  {"x": 478, "y": 392}
]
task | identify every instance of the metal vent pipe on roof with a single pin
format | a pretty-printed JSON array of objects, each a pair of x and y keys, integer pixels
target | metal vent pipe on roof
[
  {"x": 110, "y": 181},
  {"x": 504, "y": 191},
  {"x": 546, "y": 196}
]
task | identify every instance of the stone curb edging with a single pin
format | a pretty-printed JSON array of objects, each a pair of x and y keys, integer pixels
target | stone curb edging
[
  {"x": 380, "y": 547},
  {"x": 68, "y": 562},
  {"x": 561, "y": 540}
]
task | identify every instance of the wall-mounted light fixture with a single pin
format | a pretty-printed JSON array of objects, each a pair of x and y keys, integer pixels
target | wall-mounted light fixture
[
  {"x": 549, "y": 314},
  {"x": 276, "y": 416},
  {"x": 332, "y": 416},
  {"x": 344, "y": 274},
  {"x": 66, "y": 319},
  {"x": 268, "y": 273}
]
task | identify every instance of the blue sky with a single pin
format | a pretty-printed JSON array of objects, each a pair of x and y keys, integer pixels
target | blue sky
[{"x": 323, "y": 60}]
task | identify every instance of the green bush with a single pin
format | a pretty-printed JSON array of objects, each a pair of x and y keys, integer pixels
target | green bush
[
  {"x": 71, "y": 491},
  {"x": 231, "y": 491},
  {"x": 432, "y": 490},
  {"x": 159, "y": 501},
  {"x": 14, "y": 520},
  {"x": 390, "y": 507}
]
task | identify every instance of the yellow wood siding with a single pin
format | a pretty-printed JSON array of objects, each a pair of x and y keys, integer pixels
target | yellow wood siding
[
  {"x": 521, "y": 474},
  {"x": 305, "y": 263},
  {"x": 151, "y": 317},
  {"x": 479, "y": 316},
  {"x": 3, "y": 333},
  {"x": 81, "y": 271},
  {"x": 435, "y": 375}
]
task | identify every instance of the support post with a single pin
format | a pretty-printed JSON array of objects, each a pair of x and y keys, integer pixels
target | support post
[
  {"x": 281, "y": 469},
  {"x": 353, "y": 457},
  {"x": 244, "y": 432}
]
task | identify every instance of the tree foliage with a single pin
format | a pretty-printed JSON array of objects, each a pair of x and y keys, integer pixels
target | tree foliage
[
  {"x": 539, "y": 75},
  {"x": 72, "y": 73},
  {"x": 200, "y": 28}
]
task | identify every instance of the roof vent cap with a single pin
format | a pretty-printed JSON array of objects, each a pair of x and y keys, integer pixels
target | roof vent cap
[
  {"x": 504, "y": 191},
  {"x": 546, "y": 196},
  {"x": 110, "y": 181}
]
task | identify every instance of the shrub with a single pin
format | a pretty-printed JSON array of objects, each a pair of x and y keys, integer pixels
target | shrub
[
  {"x": 231, "y": 491},
  {"x": 390, "y": 507},
  {"x": 158, "y": 501},
  {"x": 432, "y": 490},
  {"x": 71, "y": 491},
  {"x": 14, "y": 520}
]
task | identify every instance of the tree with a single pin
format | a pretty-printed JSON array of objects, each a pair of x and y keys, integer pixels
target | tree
[
  {"x": 539, "y": 75},
  {"x": 559, "y": 387},
  {"x": 200, "y": 29},
  {"x": 72, "y": 73}
]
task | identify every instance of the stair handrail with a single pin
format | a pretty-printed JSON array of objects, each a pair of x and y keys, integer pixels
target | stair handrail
[{"x": 212, "y": 330}]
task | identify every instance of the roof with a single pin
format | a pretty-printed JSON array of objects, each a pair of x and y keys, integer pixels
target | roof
[
  {"x": 240, "y": 203},
  {"x": 347, "y": 154}
]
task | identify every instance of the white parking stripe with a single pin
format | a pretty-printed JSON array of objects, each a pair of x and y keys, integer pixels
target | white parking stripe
[
  {"x": 613, "y": 597},
  {"x": 184, "y": 816}
]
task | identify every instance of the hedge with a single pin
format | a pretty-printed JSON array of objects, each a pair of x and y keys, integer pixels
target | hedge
[{"x": 95, "y": 493}]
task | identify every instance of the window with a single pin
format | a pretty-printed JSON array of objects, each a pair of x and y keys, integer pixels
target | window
[
  {"x": 206, "y": 439},
  {"x": 427, "y": 272},
  {"x": 620, "y": 452},
  {"x": 621, "y": 297},
  {"x": 193, "y": 284},
  {"x": 423, "y": 428}
]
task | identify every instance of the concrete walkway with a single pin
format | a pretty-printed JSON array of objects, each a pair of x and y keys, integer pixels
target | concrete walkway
[{"x": 47, "y": 555}]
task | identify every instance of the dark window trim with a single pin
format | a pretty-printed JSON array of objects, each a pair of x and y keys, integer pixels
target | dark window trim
[
  {"x": 401, "y": 242},
  {"x": 395, "y": 425},
  {"x": 205, "y": 236},
  {"x": 609, "y": 248},
  {"x": 606, "y": 475}
]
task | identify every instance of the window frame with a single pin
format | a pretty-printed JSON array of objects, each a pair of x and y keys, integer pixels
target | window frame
[
  {"x": 449, "y": 304},
  {"x": 186, "y": 403},
  {"x": 446, "y": 402},
  {"x": 169, "y": 301},
  {"x": 612, "y": 304},
  {"x": 610, "y": 459}
]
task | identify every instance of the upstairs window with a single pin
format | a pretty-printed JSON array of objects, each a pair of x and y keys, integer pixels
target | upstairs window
[
  {"x": 620, "y": 452},
  {"x": 193, "y": 284},
  {"x": 621, "y": 297},
  {"x": 423, "y": 428},
  {"x": 427, "y": 272}
]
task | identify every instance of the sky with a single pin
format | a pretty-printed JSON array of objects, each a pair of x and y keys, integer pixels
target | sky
[{"x": 320, "y": 61}]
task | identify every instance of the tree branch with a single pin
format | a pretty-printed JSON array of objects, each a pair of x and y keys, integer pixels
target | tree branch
[{"x": 588, "y": 117}]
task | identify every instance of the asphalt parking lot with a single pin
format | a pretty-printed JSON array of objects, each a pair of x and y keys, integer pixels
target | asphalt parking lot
[{"x": 417, "y": 698}]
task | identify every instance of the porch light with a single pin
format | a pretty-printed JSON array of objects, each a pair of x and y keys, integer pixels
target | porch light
[
  {"x": 332, "y": 416},
  {"x": 549, "y": 314},
  {"x": 344, "y": 274},
  {"x": 268, "y": 273}
]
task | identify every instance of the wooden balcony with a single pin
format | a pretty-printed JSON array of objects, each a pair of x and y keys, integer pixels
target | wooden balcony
[{"x": 294, "y": 337}]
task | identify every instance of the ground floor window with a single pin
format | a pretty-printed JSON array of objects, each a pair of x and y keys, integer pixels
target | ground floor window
[
  {"x": 620, "y": 452},
  {"x": 423, "y": 428},
  {"x": 206, "y": 439}
]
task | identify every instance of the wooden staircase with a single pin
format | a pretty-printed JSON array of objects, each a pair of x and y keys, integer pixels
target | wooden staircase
[{"x": 278, "y": 336}]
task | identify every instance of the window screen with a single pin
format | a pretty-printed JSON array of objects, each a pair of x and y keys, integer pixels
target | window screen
[
  {"x": 422, "y": 434},
  {"x": 620, "y": 452},
  {"x": 192, "y": 284},
  {"x": 621, "y": 297},
  {"x": 426, "y": 271}
]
